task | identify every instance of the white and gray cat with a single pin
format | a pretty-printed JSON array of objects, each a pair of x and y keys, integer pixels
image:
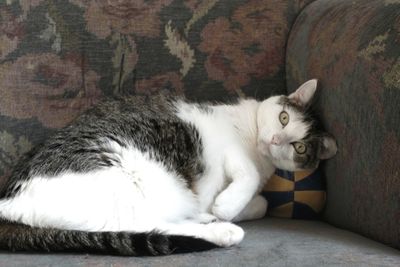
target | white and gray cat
[{"x": 156, "y": 175}]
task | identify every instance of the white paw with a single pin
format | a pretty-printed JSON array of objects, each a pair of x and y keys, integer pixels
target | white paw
[
  {"x": 225, "y": 208},
  {"x": 256, "y": 209},
  {"x": 205, "y": 218},
  {"x": 225, "y": 234}
]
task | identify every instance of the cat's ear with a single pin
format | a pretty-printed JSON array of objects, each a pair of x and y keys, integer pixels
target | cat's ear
[
  {"x": 328, "y": 147},
  {"x": 303, "y": 95}
]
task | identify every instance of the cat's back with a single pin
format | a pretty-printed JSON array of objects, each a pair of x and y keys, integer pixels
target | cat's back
[
  {"x": 135, "y": 108},
  {"x": 147, "y": 124}
]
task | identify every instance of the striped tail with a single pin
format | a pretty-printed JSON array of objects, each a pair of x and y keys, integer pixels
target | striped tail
[{"x": 20, "y": 237}]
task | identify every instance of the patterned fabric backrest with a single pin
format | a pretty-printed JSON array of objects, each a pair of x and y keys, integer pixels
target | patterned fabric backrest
[{"x": 59, "y": 57}]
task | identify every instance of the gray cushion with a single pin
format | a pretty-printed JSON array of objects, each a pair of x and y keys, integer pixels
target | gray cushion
[{"x": 268, "y": 242}]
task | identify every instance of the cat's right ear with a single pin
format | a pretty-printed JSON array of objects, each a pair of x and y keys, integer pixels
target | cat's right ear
[
  {"x": 328, "y": 147},
  {"x": 303, "y": 95}
]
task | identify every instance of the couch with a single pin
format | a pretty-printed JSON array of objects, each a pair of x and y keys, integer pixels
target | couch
[{"x": 59, "y": 57}]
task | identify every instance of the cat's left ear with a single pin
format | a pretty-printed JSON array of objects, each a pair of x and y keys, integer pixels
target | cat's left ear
[
  {"x": 303, "y": 95},
  {"x": 328, "y": 147}
]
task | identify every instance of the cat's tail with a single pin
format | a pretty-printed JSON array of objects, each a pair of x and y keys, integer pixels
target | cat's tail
[{"x": 20, "y": 237}]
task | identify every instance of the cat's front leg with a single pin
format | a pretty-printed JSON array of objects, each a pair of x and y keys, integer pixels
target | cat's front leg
[{"x": 245, "y": 181}]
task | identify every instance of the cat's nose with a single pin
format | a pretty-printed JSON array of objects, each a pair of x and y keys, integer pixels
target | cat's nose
[{"x": 276, "y": 140}]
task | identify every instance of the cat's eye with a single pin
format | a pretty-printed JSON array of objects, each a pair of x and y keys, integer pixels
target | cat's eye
[
  {"x": 284, "y": 118},
  {"x": 300, "y": 147}
]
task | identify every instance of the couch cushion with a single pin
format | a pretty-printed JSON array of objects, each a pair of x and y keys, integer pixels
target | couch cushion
[
  {"x": 268, "y": 242},
  {"x": 353, "y": 48}
]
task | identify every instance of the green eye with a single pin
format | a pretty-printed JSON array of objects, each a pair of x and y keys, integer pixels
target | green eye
[
  {"x": 300, "y": 147},
  {"x": 284, "y": 118}
]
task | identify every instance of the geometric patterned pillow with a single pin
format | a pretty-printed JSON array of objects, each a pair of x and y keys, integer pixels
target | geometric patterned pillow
[{"x": 296, "y": 195}]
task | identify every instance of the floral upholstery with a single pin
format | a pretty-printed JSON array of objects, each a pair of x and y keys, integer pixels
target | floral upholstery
[{"x": 57, "y": 58}]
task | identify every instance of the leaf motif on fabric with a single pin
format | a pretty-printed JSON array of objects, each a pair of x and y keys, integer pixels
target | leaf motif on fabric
[
  {"x": 12, "y": 148},
  {"x": 50, "y": 34},
  {"x": 124, "y": 59},
  {"x": 376, "y": 46},
  {"x": 391, "y": 78},
  {"x": 7, "y": 46},
  {"x": 200, "y": 11},
  {"x": 180, "y": 48},
  {"x": 70, "y": 38}
]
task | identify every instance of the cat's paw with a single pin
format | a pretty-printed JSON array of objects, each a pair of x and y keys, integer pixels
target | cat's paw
[
  {"x": 225, "y": 234},
  {"x": 256, "y": 209},
  {"x": 205, "y": 218},
  {"x": 225, "y": 208}
]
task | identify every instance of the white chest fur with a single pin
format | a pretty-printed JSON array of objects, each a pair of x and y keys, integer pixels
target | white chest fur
[{"x": 229, "y": 135}]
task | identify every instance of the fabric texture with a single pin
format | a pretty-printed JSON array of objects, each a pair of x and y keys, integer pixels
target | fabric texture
[
  {"x": 296, "y": 195},
  {"x": 59, "y": 57},
  {"x": 268, "y": 242},
  {"x": 353, "y": 48}
]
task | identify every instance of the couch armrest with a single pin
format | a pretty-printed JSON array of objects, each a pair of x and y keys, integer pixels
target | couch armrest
[{"x": 353, "y": 48}]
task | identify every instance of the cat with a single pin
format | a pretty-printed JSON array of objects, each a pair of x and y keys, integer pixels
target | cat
[{"x": 157, "y": 175}]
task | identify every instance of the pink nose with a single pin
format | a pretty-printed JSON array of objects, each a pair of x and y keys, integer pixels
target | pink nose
[{"x": 276, "y": 140}]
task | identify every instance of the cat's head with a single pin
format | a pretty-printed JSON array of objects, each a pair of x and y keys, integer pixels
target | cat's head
[{"x": 289, "y": 135}]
